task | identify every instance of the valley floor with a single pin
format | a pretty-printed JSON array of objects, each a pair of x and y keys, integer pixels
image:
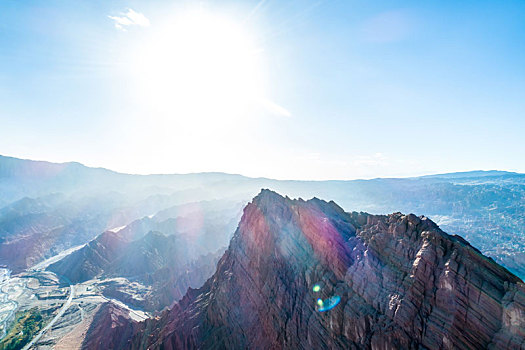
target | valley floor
[{"x": 67, "y": 310}]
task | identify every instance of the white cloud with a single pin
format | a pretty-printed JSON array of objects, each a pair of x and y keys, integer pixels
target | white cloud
[{"x": 130, "y": 18}]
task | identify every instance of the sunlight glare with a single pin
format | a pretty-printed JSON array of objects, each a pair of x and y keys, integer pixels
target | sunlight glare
[{"x": 200, "y": 66}]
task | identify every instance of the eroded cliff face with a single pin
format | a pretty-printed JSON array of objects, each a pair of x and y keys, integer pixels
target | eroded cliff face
[
  {"x": 107, "y": 319},
  {"x": 402, "y": 283}
]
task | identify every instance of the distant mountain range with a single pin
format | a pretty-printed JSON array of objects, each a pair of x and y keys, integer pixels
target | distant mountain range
[
  {"x": 473, "y": 174},
  {"x": 47, "y": 207}
]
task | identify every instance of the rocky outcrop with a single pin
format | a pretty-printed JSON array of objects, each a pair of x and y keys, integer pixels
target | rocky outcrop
[
  {"x": 161, "y": 263},
  {"x": 306, "y": 275},
  {"x": 107, "y": 319},
  {"x": 92, "y": 259}
]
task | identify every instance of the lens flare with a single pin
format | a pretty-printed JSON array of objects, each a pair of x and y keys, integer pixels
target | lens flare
[
  {"x": 316, "y": 288},
  {"x": 328, "y": 304}
]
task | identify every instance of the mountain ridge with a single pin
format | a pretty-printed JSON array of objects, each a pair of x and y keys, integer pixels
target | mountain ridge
[
  {"x": 74, "y": 164},
  {"x": 485, "y": 210},
  {"x": 397, "y": 281}
]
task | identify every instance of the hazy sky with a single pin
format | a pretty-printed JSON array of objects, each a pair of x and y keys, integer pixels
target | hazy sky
[{"x": 282, "y": 89}]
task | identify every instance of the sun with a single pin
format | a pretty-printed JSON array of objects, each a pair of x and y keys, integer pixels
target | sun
[
  {"x": 201, "y": 66},
  {"x": 200, "y": 92}
]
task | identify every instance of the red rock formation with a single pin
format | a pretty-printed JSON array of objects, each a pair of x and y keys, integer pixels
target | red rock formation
[
  {"x": 107, "y": 320},
  {"x": 403, "y": 283}
]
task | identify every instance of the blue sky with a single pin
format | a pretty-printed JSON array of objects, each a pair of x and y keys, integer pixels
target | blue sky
[{"x": 283, "y": 89}]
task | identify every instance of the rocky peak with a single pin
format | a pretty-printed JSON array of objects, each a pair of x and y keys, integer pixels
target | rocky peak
[{"x": 305, "y": 274}]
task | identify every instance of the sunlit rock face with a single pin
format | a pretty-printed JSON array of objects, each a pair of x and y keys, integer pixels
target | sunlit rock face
[{"x": 306, "y": 275}]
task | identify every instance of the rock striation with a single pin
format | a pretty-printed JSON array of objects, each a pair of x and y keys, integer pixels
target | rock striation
[{"x": 401, "y": 281}]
